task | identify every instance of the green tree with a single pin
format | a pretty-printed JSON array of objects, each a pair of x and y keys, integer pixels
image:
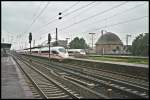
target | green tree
[
  {"x": 78, "y": 43},
  {"x": 140, "y": 45}
]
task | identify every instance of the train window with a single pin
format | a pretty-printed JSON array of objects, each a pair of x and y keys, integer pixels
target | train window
[
  {"x": 35, "y": 51},
  {"x": 54, "y": 52},
  {"x": 44, "y": 51},
  {"x": 76, "y": 52},
  {"x": 62, "y": 50},
  {"x": 70, "y": 51}
]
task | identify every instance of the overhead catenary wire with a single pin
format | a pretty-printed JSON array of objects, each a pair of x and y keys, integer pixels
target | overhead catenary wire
[
  {"x": 57, "y": 15},
  {"x": 97, "y": 14},
  {"x": 119, "y": 13},
  {"x": 123, "y": 22},
  {"x": 71, "y": 7},
  {"x": 92, "y": 15},
  {"x": 115, "y": 24},
  {"x": 84, "y": 10},
  {"x": 35, "y": 13},
  {"x": 34, "y": 20},
  {"x": 67, "y": 14},
  {"x": 127, "y": 9},
  {"x": 78, "y": 8},
  {"x": 65, "y": 10}
]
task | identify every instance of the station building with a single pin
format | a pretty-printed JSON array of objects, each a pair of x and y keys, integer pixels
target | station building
[{"x": 109, "y": 43}]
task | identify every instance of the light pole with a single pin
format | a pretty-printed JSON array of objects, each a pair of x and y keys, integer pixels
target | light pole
[
  {"x": 127, "y": 40},
  {"x": 102, "y": 38},
  {"x": 92, "y": 39}
]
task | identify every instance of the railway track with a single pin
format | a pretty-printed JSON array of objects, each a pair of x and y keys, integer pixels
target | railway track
[
  {"x": 119, "y": 89},
  {"x": 46, "y": 87},
  {"x": 107, "y": 71},
  {"x": 51, "y": 86},
  {"x": 135, "y": 81}
]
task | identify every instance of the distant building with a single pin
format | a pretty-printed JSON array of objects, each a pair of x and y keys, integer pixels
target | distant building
[{"x": 109, "y": 43}]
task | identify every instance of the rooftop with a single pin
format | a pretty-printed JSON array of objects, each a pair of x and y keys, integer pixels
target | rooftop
[{"x": 109, "y": 38}]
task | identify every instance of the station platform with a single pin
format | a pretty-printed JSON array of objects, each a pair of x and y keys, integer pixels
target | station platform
[
  {"x": 111, "y": 62},
  {"x": 13, "y": 85}
]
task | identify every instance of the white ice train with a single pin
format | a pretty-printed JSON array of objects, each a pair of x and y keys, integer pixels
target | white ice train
[
  {"x": 73, "y": 52},
  {"x": 55, "y": 52},
  {"x": 20, "y": 51},
  {"x": 58, "y": 52}
]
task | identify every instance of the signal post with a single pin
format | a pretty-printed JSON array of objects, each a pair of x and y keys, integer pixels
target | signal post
[
  {"x": 30, "y": 39},
  {"x": 49, "y": 40}
]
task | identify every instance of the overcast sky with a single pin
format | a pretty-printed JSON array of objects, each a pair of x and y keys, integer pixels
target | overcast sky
[{"x": 79, "y": 18}]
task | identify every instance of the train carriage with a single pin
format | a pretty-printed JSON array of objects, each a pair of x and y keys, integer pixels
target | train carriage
[{"x": 59, "y": 53}]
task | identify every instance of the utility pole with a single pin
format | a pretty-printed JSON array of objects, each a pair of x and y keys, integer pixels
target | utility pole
[
  {"x": 33, "y": 42},
  {"x": 127, "y": 37},
  {"x": 56, "y": 38},
  {"x": 102, "y": 31},
  {"x": 56, "y": 28},
  {"x": 92, "y": 39}
]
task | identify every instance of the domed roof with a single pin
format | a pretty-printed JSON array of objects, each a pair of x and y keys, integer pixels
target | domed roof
[{"x": 109, "y": 38}]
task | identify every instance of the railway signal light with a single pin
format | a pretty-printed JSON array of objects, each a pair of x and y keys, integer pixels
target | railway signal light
[
  {"x": 49, "y": 38},
  {"x": 59, "y": 15},
  {"x": 30, "y": 37},
  {"x": 60, "y": 18}
]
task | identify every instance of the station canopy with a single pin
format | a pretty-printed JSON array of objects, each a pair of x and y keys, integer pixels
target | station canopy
[{"x": 6, "y": 45}]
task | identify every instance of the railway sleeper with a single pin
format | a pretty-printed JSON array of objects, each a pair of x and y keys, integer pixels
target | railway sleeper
[
  {"x": 54, "y": 94},
  {"x": 58, "y": 97}
]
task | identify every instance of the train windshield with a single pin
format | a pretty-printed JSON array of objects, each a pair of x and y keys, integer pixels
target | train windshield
[{"x": 62, "y": 50}]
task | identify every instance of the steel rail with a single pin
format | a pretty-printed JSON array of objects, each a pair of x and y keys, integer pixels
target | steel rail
[
  {"x": 82, "y": 87},
  {"x": 126, "y": 91},
  {"x": 123, "y": 78},
  {"x": 49, "y": 79}
]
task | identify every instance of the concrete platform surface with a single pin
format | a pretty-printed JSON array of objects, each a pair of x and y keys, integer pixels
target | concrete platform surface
[
  {"x": 111, "y": 62},
  {"x": 12, "y": 82}
]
